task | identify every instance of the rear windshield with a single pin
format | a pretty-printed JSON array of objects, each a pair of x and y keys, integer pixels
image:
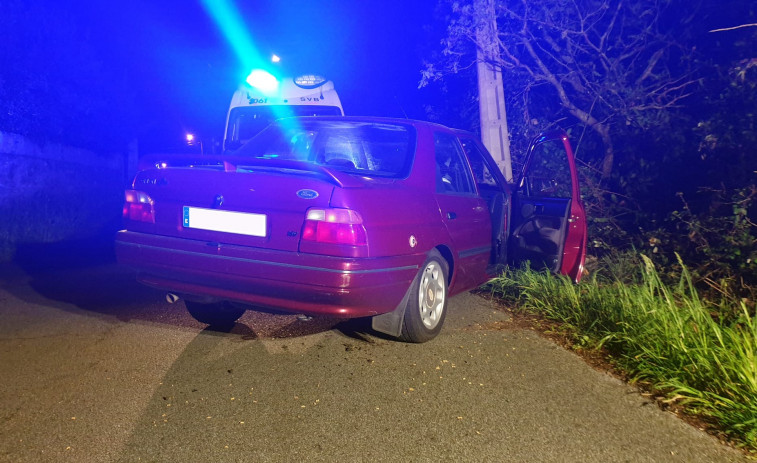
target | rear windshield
[
  {"x": 246, "y": 121},
  {"x": 363, "y": 148}
]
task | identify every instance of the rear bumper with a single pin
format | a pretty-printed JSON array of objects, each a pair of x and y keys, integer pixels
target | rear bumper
[{"x": 290, "y": 281}]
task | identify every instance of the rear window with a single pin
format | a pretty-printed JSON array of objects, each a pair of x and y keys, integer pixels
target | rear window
[
  {"x": 362, "y": 148},
  {"x": 246, "y": 121}
]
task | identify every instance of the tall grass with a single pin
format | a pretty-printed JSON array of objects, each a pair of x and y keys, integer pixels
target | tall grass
[{"x": 664, "y": 335}]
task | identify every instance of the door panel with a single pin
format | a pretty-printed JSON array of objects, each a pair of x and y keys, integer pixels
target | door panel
[
  {"x": 492, "y": 187},
  {"x": 548, "y": 218},
  {"x": 539, "y": 234},
  {"x": 463, "y": 211}
]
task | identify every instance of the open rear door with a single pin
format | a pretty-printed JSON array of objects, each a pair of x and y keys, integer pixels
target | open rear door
[{"x": 548, "y": 219}]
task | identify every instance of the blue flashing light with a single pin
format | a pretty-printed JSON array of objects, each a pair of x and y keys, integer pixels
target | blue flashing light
[
  {"x": 263, "y": 81},
  {"x": 228, "y": 19}
]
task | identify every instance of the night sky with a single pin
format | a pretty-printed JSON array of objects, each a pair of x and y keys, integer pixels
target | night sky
[
  {"x": 179, "y": 70},
  {"x": 185, "y": 71}
]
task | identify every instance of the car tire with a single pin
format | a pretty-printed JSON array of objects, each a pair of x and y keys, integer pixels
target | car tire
[
  {"x": 427, "y": 305},
  {"x": 217, "y": 315}
]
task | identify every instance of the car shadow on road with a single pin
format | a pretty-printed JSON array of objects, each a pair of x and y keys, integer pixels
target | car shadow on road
[
  {"x": 222, "y": 399},
  {"x": 81, "y": 273},
  {"x": 100, "y": 288},
  {"x": 83, "y": 276}
]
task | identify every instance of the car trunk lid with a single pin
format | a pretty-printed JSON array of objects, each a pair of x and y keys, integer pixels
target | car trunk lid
[{"x": 233, "y": 202}]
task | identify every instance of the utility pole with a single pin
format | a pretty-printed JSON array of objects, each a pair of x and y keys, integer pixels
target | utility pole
[{"x": 491, "y": 96}]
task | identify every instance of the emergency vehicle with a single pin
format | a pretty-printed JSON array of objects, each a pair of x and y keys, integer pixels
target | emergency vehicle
[{"x": 256, "y": 104}]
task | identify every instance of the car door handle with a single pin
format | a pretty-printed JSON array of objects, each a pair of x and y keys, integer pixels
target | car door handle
[
  {"x": 539, "y": 208},
  {"x": 451, "y": 215}
]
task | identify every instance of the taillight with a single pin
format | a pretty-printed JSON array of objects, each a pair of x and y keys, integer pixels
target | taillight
[
  {"x": 138, "y": 206},
  {"x": 334, "y": 226}
]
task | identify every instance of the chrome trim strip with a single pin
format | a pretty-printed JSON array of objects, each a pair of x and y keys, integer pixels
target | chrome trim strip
[
  {"x": 276, "y": 264},
  {"x": 474, "y": 251}
]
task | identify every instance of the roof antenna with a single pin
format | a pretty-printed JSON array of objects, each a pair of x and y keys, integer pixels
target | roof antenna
[{"x": 400, "y": 105}]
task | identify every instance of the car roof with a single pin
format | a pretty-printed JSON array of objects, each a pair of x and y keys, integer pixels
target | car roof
[{"x": 385, "y": 120}]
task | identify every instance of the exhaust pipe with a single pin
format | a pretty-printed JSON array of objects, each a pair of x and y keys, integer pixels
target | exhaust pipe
[{"x": 172, "y": 298}]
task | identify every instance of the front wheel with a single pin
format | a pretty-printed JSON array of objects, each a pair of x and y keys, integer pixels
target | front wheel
[
  {"x": 427, "y": 306},
  {"x": 217, "y": 315}
]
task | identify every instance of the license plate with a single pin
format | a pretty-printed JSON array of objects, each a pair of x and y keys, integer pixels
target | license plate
[{"x": 240, "y": 223}]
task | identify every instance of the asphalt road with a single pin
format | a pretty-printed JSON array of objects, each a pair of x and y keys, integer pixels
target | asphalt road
[{"x": 95, "y": 368}]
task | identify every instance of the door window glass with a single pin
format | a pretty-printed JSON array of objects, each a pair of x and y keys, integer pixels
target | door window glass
[
  {"x": 548, "y": 174},
  {"x": 452, "y": 172},
  {"x": 481, "y": 169}
]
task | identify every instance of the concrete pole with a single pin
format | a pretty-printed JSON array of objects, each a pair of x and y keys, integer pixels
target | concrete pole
[
  {"x": 491, "y": 97},
  {"x": 132, "y": 161}
]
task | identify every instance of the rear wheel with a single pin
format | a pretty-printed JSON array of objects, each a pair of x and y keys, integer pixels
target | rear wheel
[
  {"x": 217, "y": 314},
  {"x": 427, "y": 306}
]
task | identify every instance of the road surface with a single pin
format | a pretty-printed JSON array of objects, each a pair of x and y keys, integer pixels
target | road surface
[{"x": 96, "y": 368}]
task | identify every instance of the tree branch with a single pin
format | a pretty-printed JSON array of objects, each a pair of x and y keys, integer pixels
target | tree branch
[{"x": 734, "y": 27}]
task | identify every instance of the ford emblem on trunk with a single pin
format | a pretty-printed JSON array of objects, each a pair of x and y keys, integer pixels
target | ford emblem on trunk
[{"x": 307, "y": 194}]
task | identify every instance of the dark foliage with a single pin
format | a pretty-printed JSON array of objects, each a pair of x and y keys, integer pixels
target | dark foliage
[
  {"x": 684, "y": 174},
  {"x": 54, "y": 85}
]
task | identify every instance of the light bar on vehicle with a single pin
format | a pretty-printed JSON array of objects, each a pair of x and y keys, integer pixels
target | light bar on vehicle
[
  {"x": 263, "y": 81},
  {"x": 309, "y": 81}
]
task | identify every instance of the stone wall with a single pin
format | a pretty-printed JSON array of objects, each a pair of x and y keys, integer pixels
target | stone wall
[{"x": 51, "y": 194}]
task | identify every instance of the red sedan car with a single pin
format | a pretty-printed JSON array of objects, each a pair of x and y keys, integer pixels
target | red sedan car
[{"x": 349, "y": 217}]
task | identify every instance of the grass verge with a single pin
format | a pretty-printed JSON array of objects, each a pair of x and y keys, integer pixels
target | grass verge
[{"x": 664, "y": 335}]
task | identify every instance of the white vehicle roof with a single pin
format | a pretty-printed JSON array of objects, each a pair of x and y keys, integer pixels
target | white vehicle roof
[
  {"x": 289, "y": 93},
  {"x": 252, "y": 109}
]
